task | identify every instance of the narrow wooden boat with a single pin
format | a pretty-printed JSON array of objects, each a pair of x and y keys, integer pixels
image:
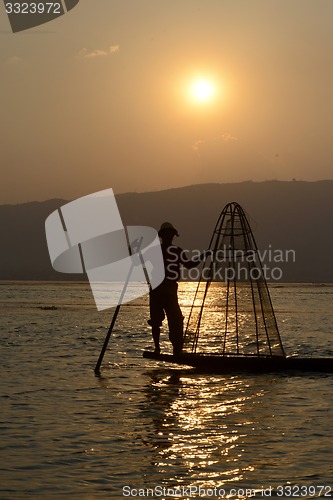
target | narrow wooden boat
[{"x": 211, "y": 363}]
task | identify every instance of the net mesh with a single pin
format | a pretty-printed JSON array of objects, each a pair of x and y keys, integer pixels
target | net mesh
[{"x": 232, "y": 312}]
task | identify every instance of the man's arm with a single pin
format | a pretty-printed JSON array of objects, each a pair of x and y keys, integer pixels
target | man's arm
[{"x": 189, "y": 263}]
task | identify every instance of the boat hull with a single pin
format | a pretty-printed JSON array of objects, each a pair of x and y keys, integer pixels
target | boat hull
[{"x": 229, "y": 364}]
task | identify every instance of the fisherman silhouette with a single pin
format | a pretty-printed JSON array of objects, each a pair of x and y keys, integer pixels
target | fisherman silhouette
[{"x": 164, "y": 298}]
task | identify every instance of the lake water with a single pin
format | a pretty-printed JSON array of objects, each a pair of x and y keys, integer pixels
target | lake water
[{"x": 144, "y": 429}]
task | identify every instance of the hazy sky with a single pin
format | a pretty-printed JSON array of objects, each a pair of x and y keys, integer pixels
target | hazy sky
[{"x": 101, "y": 97}]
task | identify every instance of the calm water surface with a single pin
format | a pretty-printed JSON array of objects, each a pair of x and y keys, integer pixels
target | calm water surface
[{"x": 146, "y": 429}]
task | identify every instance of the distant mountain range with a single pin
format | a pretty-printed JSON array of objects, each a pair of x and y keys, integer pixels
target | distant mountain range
[{"x": 290, "y": 221}]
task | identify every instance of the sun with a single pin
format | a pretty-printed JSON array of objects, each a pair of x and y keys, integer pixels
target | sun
[{"x": 202, "y": 91}]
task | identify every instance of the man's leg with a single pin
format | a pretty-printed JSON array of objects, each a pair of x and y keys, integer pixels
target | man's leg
[
  {"x": 156, "y": 317},
  {"x": 175, "y": 321}
]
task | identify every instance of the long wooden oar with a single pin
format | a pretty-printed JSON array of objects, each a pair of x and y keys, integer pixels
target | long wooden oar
[{"x": 108, "y": 335}]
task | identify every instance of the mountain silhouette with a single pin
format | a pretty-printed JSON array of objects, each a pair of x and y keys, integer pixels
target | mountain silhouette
[{"x": 291, "y": 222}]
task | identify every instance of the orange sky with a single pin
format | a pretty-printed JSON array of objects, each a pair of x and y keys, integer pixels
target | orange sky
[{"x": 101, "y": 97}]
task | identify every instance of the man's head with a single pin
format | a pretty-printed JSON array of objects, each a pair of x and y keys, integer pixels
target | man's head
[{"x": 167, "y": 232}]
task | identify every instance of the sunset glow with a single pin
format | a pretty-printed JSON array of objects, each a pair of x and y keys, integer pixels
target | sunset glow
[
  {"x": 202, "y": 90},
  {"x": 205, "y": 92}
]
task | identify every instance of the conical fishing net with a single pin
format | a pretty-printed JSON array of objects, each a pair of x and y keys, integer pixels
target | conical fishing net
[{"x": 232, "y": 312}]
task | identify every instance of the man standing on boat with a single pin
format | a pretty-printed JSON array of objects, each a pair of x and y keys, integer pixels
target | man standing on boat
[{"x": 164, "y": 299}]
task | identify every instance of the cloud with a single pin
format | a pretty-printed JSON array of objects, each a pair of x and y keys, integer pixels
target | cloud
[
  {"x": 225, "y": 136},
  {"x": 14, "y": 60},
  {"x": 114, "y": 49},
  {"x": 15, "y": 63},
  {"x": 197, "y": 144},
  {"x": 90, "y": 54},
  {"x": 94, "y": 53}
]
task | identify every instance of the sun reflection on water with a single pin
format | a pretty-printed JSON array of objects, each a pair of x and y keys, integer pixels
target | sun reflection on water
[
  {"x": 230, "y": 321},
  {"x": 202, "y": 427}
]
